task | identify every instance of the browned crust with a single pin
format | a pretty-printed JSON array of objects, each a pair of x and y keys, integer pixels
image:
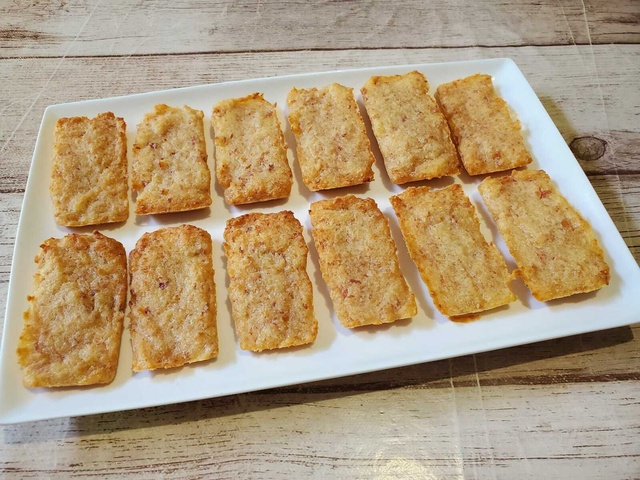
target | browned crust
[
  {"x": 269, "y": 288},
  {"x": 464, "y": 273},
  {"x": 411, "y": 131},
  {"x": 169, "y": 171},
  {"x": 73, "y": 326},
  {"x": 555, "y": 249},
  {"x": 488, "y": 138},
  {"x": 333, "y": 148},
  {"x": 89, "y": 179},
  {"x": 173, "y": 299},
  {"x": 251, "y": 152},
  {"x": 359, "y": 262}
]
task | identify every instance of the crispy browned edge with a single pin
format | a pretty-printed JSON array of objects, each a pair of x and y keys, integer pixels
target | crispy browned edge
[
  {"x": 315, "y": 186},
  {"x": 344, "y": 202},
  {"x": 141, "y": 245},
  {"x": 473, "y": 168},
  {"x": 157, "y": 207},
  {"x": 545, "y": 295},
  {"x": 236, "y": 223},
  {"x": 117, "y": 250},
  {"x": 455, "y": 170},
  {"x": 122, "y": 134},
  {"x": 225, "y": 179},
  {"x": 397, "y": 202}
]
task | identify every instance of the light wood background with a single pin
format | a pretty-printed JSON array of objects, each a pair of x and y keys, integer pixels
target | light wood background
[{"x": 567, "y": 408}]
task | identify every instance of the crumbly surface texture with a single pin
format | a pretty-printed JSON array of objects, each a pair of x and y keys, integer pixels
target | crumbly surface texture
[
  {"x": 251, "y": 153},
  {"x": 359, "y": 262},
  {"x": 269, "y": 289},
  {"x": 463, "y": 272},
  {"x": 169, "y": 170},
  {"x": 332, "y": 143},
  {"x": 89, "y": 180},
  {"x": 412, "y": 133},
  {"x": 73, "y": 326},
  {"x": 173, "y": 299},
  {"x": 555, "y": 249},
  {"x": 482, "y": 127}
]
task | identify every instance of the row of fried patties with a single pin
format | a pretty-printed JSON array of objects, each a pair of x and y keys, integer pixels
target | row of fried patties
[
  {"x": 74, "y": 323},
  {"x": 416, "y": 134}
]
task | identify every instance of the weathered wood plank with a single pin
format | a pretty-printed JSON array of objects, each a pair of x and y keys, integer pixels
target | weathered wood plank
[
  {"x": 621, "y": 197},
  {"x": 595, "y": 96},
  {"x": 93, "y": 27},
  {"x": 612, "y": 22},
  {"x": 455, "y": 432},
  {"x": 564, "y": 408}
]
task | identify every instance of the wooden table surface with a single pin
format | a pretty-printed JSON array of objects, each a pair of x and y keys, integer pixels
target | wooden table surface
[{"x": 567, "y": 408}]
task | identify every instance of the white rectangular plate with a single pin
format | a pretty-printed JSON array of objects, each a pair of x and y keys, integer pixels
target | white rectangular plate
[{"x": 337, "y": 351}]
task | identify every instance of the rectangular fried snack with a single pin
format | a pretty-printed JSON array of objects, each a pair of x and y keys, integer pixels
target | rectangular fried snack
[
  {"x": 332, "y": 143},
  {"x": 169, "y": 170},
  {"x": 555, "y": 249},
  {"x": 269, "y": 289},
  {"x": 251, "y": 153},
  {"x": 412, "y": 133},
  {"x": 482, "y": 127},
  {"x": 359, "y": 262},
  {"x": 89, "y": 181},
  {"x": 173, "y": 299},
  {"x": 73, "y": 327},
  {"x": 463, "y": 272}
]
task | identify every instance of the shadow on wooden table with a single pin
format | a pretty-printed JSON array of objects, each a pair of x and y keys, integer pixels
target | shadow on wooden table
[
  {"x": 577, "y": 359},
  {"x": 559, "y": 118}
]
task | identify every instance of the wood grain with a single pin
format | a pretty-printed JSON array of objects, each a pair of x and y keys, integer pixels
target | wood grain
[
  {"x": 455, "y": 432},
  {"x": 57, "y": 28},
  {"x": 566, "y": 408}
]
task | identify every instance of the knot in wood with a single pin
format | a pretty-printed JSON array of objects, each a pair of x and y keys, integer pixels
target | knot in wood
[{"x": 588, "y": 148}]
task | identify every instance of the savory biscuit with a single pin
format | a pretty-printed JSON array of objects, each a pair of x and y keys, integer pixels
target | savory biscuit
[
  {"x": 359, "y": 262},
  {"x": 412, "y": 133},
  {"x": 487, "y": 137},
  {"x": 555, "y": 249},
  {"x": 89, "y": 181},
  {"x": 169, "y": 170},
  {"x": 173, "y": 299},
  {"x": 332, "y": 143},
  {"x": 251, "y": 154},
  {"x": 73, "y": 327},
  {"x": 463, "y": 272},
  {"x": 269, "y": 289}
]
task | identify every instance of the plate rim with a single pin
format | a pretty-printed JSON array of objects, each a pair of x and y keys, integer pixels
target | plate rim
[{"x": 11, "y": 417}]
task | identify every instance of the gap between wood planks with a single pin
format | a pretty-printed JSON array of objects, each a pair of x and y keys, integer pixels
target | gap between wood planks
[
  {"x": 323, "y": 49},
  {"x": 540, "y": 380}
]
